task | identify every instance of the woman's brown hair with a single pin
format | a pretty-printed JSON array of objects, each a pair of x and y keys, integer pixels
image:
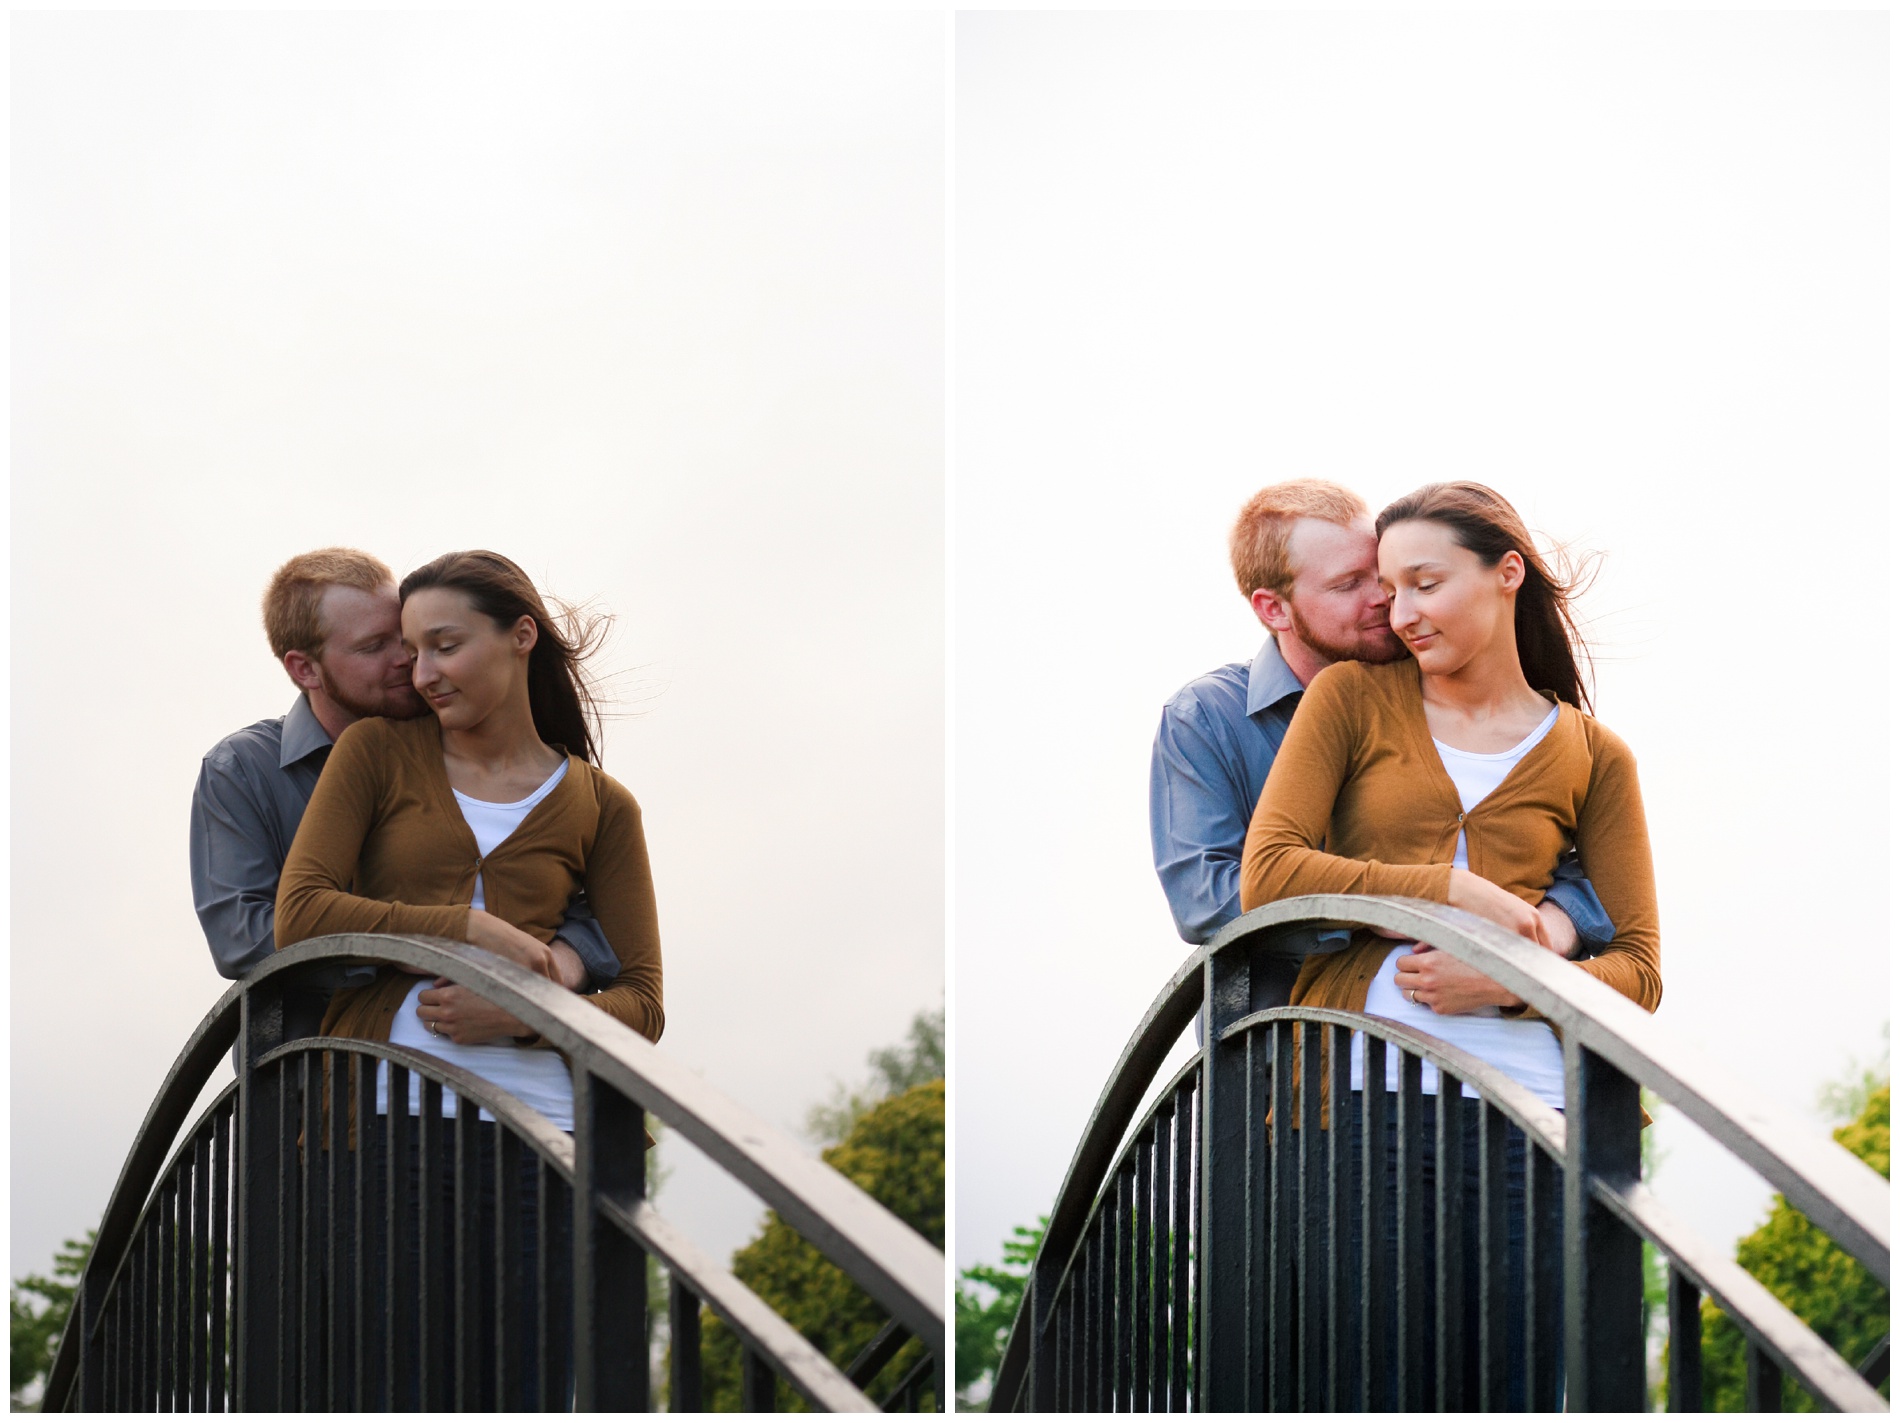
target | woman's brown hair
[
  {"x": 1481, "y": 520},
  {"x": 563, "y": 706}
]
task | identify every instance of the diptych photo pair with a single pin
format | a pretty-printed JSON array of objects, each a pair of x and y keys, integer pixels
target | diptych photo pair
[{"x": 974, "y": 710}]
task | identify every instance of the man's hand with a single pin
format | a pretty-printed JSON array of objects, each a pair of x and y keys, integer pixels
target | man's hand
[
  {"x": 1444, "y": 985},
  {"x": 459, "y": 1015},
  {"x": 571, "y": 973},
  {"x": 1563, "y": 933}
]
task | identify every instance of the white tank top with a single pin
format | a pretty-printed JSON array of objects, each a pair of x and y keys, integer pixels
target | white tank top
[
  {"x": 1523, "y": 1049},
  {"x": 537, "y": 1076}
]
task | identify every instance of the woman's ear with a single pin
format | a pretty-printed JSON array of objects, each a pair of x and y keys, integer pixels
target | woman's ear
[
  {"x": 1511, "y": 571},
  {"x": 526, "y": 633}
]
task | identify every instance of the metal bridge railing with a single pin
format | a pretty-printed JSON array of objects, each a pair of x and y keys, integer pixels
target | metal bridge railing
[
  {"x": 1209, "y": 1260},
  {"x": 299, "y": 1250}
]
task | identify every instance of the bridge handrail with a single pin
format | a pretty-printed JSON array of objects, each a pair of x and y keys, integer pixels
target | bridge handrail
[
  {"x": 895, "y": 1265},
  {"x": 1844, "y": 1197}
]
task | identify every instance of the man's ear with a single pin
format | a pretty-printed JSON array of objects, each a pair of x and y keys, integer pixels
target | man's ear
[
  {"x": 302, "y": 668},
  {"x": 1272, "y": 611}
]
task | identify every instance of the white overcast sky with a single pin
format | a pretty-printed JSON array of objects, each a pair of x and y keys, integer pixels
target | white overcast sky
[
  {"x": 1629, "y": 269},
  {"x": 651, "y": 303}
]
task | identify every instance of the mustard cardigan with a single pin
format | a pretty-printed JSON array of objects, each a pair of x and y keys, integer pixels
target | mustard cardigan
[
  {"x": 384, "y": 848},
  {"x": 1359, "y": 776}
]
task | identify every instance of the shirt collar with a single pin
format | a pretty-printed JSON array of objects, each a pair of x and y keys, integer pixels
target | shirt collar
[
  {"x": 303, "y": 734},
  {"x": 1270, "y": 680}
]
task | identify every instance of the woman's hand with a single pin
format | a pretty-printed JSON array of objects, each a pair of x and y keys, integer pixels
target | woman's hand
[
  {"x": 498, "y": 936},
  {"x": 458, "y": 1014},
  {"x": 1444, "y": 985},
  {"x": 1484, "y": 899}
]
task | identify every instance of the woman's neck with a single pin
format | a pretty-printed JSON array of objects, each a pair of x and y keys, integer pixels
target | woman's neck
[
  {"x": 1489, "y": 687},
  {"x": 503, "y": 739}
]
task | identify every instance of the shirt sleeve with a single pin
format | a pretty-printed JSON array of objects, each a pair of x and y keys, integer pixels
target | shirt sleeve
[
  {"x": 1197, "y": 821},
  {"x": 313, "y": 896},
  {"x": 1282, "y": 857},
  {"x": 1613, "y": 850},
  {"x": 1577, "y": 897},
  {"x": 619, "y": 884},
  {"x": 583, "y": 934},
  {"x": 233, "y": 869}
]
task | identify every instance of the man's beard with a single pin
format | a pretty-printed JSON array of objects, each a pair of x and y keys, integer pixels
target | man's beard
[
  {"x": 393, "y": 704},
  {"x": 1386, "y": 649}
]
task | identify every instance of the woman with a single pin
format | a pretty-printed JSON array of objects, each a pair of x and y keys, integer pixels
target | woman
[
  {"x": 1459, "y": 775},
  {"x": 478, "y": 824}
]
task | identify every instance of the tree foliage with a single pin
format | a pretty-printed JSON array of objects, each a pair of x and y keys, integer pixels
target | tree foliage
[
  {"x": 983, "y": 1328},
  {"x": 1833, "y": 1294},
  {"x": 894, "y": 1152},
  {"x": 36, "y": 1329},
  {"x": 894, "y": 1070}
]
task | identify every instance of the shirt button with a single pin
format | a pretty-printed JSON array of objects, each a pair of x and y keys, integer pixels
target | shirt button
[{"x": 1461, "y": 817}]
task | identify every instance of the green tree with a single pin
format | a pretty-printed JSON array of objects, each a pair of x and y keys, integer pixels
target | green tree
[
  {"x": 36, "y": 1329},
  {"x": 1836, "y": 1296},
  {"x": 983, "y": 1328},
  {"x": 894, "y": 1152},
  {"x": 895, "y": 1069}
]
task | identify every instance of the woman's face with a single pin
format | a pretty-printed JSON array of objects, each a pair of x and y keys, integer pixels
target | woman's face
[
  {"x": 466, "y": 666},
  {"x": 1447, "y": 607}
]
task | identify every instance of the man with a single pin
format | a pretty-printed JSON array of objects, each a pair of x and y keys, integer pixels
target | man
[
  {"x": 334, "y": 622},
  {"x": 1306, "y": 559}
]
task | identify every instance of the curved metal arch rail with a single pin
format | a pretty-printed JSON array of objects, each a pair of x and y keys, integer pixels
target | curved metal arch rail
[
  {"x": 1193, "y": 1260},
  {"x": 230, "y": 1271}
]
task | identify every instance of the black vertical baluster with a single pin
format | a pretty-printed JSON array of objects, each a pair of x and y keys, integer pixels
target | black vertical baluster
[
  {"x": 548, "y": 1347},
  {"x": 1092, "y": 1319},
  {"x": 1141, "y": 1241},
  {"x": 465, "y": 1235},
  {"x": 609, "y": 1266},
  {"x": 1493, "y": 1305},
  {"x": 117, "y": 1400},
  {"x": 220, "y": 1371},
  {"x": 1414, "y": 1296},
  {"x": 201, "y": 1269},
  {"x": 1449, "y": 1303},
  {"x": 758, "y": 1385},
  {"x": 1762, "y": 1391},
  {"x": 1309, "y": 1256},
  {"x": 1256, "y": 1227},
  {"x": 1282, "y": 1229},
  {"x": 511, "y": 1282},
  {"x": 1375, "y": 1363},
  {"x": 343, "y": 1229},
  {"x": 684, "y": 1392},
  {"x": 370, "y": 1213},
  {"x": 401, "y": 1279},
  {"x": 167, "y": 1314},
  {"x": 432, "y": 1231},
  {"x": 1542, "y": 1324},
  {"x": 1160, "y": 1266},
  {"x": 312, "y": 1228},
  {"x": 151, "y": 1287},
  {"x": 1188, "y": 1194},
  {"x": 1685, "y": 1343},
  {"x": 1341, "y": 1202},
  {"x": 1603, "y": 1257},
  {"x": 134, "y": 1331},
  {"x": 1111, "y": 1287}
]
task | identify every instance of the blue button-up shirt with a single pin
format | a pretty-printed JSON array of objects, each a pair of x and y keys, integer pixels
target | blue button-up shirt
[
  {"x": 253, "y": 789},
  {"x": 1216, "y": 742}
]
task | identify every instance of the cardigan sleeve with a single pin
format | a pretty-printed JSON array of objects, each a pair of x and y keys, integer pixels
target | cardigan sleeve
[
  {"x": 313, "y": 895},
  {"x": 1283, "y": 857},
  {"x": 1613, "y": 848},
  {"x": 620, "y": 888}
]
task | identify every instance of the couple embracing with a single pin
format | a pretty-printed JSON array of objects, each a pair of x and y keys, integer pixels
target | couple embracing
[
  {"x": 1416, "y": 725},
  {"x": 439, "y": 775}
]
